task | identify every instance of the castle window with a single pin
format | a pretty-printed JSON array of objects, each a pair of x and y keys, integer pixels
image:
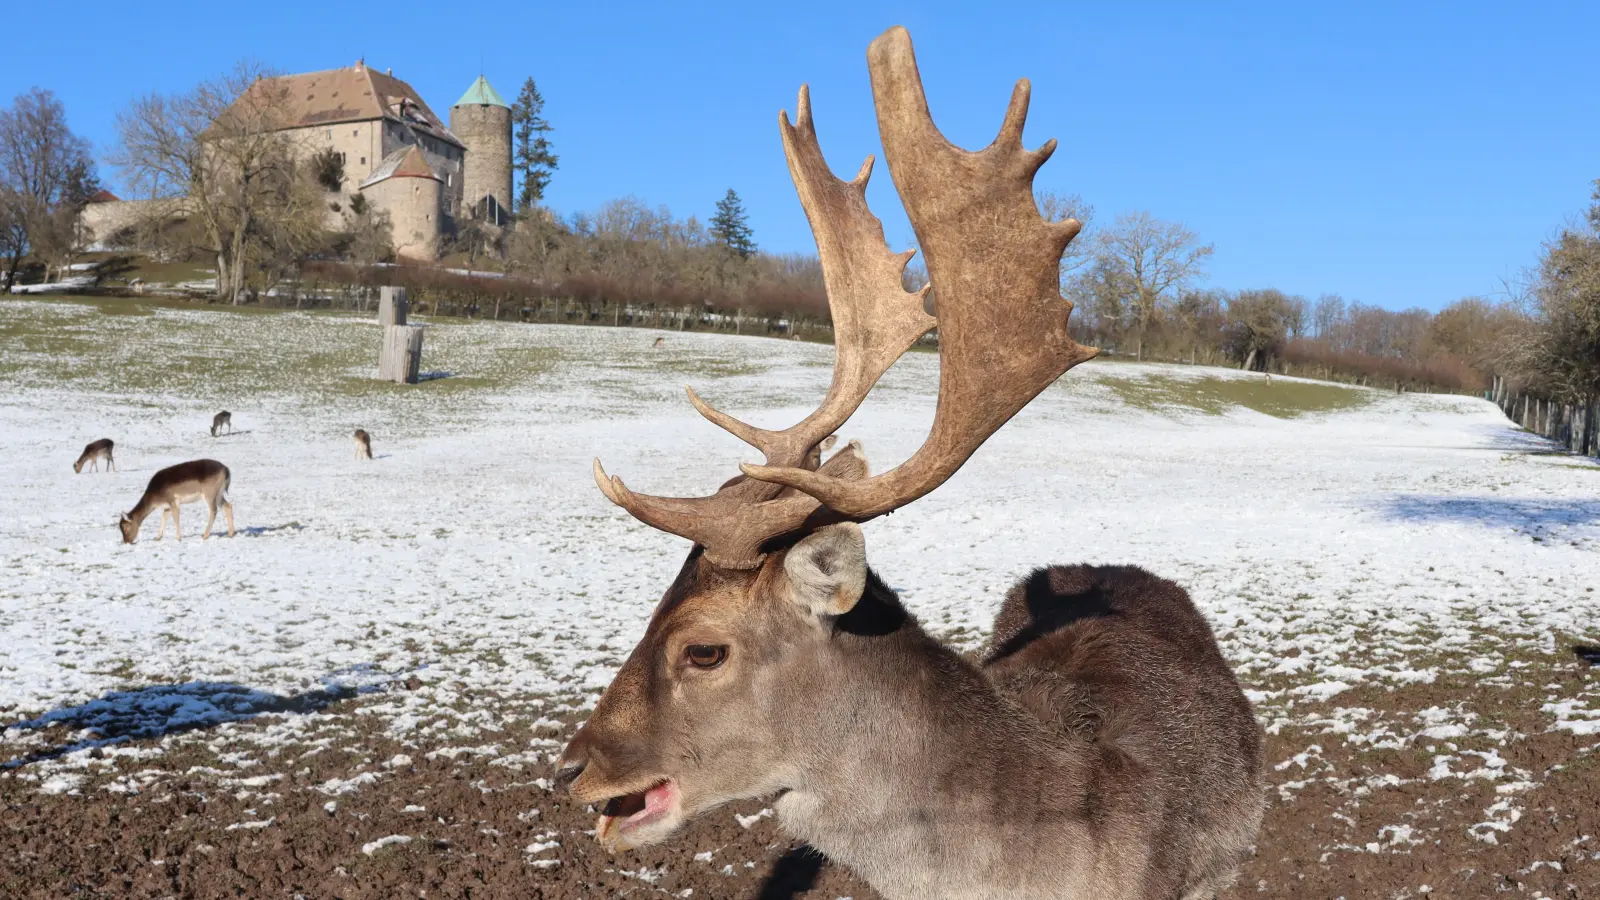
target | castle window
[
  {"x": 356, "y": 132},
  {"x": 363, "y": 160}
]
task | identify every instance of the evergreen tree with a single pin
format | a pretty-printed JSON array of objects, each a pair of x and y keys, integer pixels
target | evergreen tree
[
  {"x": 731, "y": 228},
  {"x": 532, "y": 157}
]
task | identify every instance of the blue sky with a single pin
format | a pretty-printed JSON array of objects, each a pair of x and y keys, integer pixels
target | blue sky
[{"x": 1402, "y": 154}]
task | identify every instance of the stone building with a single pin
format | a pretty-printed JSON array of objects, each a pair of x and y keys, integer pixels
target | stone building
[{"x": 396, "y": 153}]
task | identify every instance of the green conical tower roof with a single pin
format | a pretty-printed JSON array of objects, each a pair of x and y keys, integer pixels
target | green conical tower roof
[{"x": 482, "y": 94}]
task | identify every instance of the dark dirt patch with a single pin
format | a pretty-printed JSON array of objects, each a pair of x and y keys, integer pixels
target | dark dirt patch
[
  {"x": 475, "y": 829},
  {"x": 1375, "y": 821}
]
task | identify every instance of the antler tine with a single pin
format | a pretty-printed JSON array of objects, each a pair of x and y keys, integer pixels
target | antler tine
[
  {"x": 875, "y": 322},
  {"x": 732, "y": 528},
  {"x": 995, "y": 263}
]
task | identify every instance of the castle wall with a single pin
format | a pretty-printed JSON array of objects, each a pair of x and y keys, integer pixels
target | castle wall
[
  {"x": 414, "y": 208},
  {"x": 486, "y": 130},
  {"x": 360, "y": 142},
  {"x": 105, "y": 222}
]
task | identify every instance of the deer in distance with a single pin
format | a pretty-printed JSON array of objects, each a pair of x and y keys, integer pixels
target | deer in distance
[
  {"x": 1101, "y": 748},
  {"x": 221, "y": 419},
  {"x": 363, "y": 444},
  {"x": 93, "y": 453},
  {"x": 199, "y": 480}
]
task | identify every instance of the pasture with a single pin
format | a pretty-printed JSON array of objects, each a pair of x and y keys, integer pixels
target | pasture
[{"x": 361, "y": 694}]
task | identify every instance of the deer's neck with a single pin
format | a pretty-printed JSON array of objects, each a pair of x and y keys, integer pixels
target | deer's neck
[
  {"x": 915, "y": 766},
  {"x": 146, "y": 505}
]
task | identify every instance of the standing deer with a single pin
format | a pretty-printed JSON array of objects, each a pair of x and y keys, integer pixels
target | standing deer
[
  {"x": 93, "y": 453},
  {"x": 221, "y": 419},
  {"x": 363, "y": 444},
  {"x": 1102, "y": 748},
  {"x": 196, "y": 480}
]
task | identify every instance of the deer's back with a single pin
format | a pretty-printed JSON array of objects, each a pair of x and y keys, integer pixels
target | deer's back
[
  {"x": 188, "y": 478},
  {"x": 1119, "y": 657}
]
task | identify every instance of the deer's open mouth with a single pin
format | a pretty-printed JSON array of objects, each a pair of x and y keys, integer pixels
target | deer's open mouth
[{"x": 622, "y": 815}]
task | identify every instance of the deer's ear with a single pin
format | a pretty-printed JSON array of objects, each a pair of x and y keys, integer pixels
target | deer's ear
[
  {"x": 827, "y": 571},
  {"x": 124, "y": 517}
]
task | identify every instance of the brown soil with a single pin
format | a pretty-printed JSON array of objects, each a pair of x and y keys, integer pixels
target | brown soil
[{"x": 482, "y": 830}]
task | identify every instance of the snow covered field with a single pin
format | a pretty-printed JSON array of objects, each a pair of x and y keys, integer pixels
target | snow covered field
[{"x": 1342, "y": 556}]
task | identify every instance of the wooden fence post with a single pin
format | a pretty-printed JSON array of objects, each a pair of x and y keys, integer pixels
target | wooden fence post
[
  {"x": 392, "y": 306},
  {"x": 400, "y": 359}
]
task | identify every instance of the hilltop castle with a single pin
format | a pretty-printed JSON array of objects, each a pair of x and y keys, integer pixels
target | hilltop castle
[
  {"x": 397, "y": 153},
  {"x": 402, "y": 158}
]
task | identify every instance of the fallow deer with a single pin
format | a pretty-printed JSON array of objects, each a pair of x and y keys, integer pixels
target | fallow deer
[
  {"x": 221, "y": 419},
  {"x": 1102, "y": 748},
  {"x": 197, "y": 480},
  {"x": 93, "y": 453},
  {"x": 363, "y": 444},
  {"x": 659, "y": 343}
]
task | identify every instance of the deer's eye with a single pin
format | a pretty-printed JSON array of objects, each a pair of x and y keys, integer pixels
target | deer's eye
[{"x": 706, "y": 656}]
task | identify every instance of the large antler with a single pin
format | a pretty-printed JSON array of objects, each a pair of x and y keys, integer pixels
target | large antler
[
  {"x": 875, "y": 321},
  {"x": 994, "y": 266},
  {"x": 994, "y": 263}
]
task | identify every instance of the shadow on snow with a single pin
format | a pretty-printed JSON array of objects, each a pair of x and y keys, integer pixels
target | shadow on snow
[
  {"x": 158, "y": 710},
  {"x": 258, "y": 530},
  {"x": 1494, "y": 512}
]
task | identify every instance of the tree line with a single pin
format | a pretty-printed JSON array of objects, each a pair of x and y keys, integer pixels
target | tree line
[{"x": 256, "y": 211}]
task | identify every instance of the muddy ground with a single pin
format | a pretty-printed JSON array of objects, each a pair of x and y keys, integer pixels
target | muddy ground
[{"x": 222, "y": 813}]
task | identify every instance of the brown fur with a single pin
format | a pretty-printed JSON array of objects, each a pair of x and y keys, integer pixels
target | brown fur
[
  {"x": 204, "y": 480},
  {"x": 363, "y": 444},
  {"x": 93, "y": 453},
  {"x": 1103, "y": 749}
]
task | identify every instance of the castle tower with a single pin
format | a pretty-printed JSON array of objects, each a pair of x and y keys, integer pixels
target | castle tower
[{"x": 482, "y": 121}]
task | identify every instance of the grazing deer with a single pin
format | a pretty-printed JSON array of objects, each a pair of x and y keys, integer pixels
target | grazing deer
[
  {"x": 363, "y": 445},
  {"x": 93, "y": 453},
  {"x": 199, "y": 479},
  {"x": 221, "y": 419},
  {"x": 1102, "y": 748}
]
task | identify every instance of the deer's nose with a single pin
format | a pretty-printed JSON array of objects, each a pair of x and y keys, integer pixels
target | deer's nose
[{"x": 569, "y": 773}]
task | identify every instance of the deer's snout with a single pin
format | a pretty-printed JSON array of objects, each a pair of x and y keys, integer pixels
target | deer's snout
[
  {"x": 569, "y": 773},
  {"x": 573, "y": 760}
]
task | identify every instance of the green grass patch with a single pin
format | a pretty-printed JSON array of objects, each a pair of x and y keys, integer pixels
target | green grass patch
[
  {"x": 155, "y": 346},
  {"x": 1280, "y": 398}
]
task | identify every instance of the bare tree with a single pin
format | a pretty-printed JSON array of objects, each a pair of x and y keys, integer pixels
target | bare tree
[
  {"x": 368, "y": 233},
  {"x": 1327, "y": 317},
  {"x": 13, "y": 236},
  {"x": 1258, "y": 324},
  {"x": 46, "y": 177},
  {"x": 1298, "y": 317},
  {"x": 1102, "y": 292},
  {"x": 1201, "y": 322},
  {"x": 1557, "y": 351},
  {"x": 221, "y": 150},
  {"x": 1152, "y": 260}
]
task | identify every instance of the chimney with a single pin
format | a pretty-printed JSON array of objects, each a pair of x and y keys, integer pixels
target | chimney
[
  {"x": 388, "y": 71},
  {"x": 360, "y": 62}
]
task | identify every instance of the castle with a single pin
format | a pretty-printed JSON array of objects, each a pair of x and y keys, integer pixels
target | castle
[{"x": 397, "y": 154}]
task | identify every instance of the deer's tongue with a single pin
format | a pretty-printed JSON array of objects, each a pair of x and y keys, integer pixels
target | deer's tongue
[{"x": 619, "y": 811}]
